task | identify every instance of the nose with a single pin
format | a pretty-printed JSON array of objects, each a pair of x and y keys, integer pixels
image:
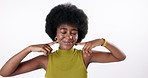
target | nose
[{"x": 69, "y": 36}]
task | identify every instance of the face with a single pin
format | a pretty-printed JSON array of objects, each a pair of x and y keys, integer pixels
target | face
[{"x": 67, "y": 36}]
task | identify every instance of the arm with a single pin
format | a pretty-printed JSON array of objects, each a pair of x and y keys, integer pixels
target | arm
[
  {"x": 98, "y": 56},
  {"x": 14, "y": 66},
  {"x": 114, "y": 55}
]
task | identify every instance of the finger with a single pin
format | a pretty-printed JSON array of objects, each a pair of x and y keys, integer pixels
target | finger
[
  {"x": 84, "y": 48},
  {"x": 45, "y": 51},
  {"x": 48, "y": 47},
  {"x": 54, "y": 42},
  {"x": 87, "y": 53},
  {"x": 87, "y": 49},
  {"x": 90, "y": 50},
  {"x": 48, "y": 50},
  {"x": 83, "y": 43}
]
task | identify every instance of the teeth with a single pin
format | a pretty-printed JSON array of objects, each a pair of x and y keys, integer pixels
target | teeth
[{"x": 67, "y": 42}]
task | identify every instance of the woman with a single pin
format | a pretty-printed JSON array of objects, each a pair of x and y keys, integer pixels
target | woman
[{"x": 66, "y": 25}]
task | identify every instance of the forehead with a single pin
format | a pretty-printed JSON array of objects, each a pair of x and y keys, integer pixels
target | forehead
[{"x": 67, "y": 27}]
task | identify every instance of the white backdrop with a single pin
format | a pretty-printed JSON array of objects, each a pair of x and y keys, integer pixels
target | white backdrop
[{"x": 122, "y": 22}]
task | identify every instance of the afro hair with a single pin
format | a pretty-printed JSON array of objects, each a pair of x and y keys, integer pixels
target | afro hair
[{"x": 66, "y": 14}]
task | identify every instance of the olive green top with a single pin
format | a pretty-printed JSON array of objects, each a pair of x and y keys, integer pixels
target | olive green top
[{"x": 66, "y": 64}]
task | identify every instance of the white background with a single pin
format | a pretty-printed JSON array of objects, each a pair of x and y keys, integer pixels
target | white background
[{"x": 121, "y": 22}]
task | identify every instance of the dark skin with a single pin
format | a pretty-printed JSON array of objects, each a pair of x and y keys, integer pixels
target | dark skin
[{"x": 67, "y": 37}]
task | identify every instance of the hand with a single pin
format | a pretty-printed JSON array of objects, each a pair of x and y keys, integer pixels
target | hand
[
  {"x": 45, "y": 48},
  {"x": 91, "y": 44}
]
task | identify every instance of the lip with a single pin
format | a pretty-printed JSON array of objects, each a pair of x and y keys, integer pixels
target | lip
[{"x": 67, "y": 42}]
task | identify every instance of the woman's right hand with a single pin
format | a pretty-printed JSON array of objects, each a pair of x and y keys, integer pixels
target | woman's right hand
[{"x": 45, "y": 48}]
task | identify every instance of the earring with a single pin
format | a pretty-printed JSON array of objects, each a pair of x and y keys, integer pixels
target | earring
[{"x": 55, "y": 38}]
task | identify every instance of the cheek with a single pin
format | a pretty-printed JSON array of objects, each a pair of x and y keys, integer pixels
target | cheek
[
  {"x": 59, "y": 36},
  {"x": 76, "y": 38}
]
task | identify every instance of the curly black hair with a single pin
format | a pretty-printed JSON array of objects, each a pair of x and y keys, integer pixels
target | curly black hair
[{"x": 66, "y": 14}]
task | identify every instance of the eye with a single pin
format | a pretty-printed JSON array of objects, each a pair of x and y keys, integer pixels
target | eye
[
  {"x": 73, "y": 33},
  {"x": 63, "y": 32}
]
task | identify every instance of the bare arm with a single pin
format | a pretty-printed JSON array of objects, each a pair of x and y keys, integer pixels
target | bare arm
[
  {"x": 30, "y": 65},
  {"x": 14, "y": 66},
  {"x": 97, "y": 56},
  {"x": 114, "y": 55}
]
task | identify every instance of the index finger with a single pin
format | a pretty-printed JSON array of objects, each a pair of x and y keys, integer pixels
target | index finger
[
  {"x": 83, "y": 43},
  {"x": 53, "y": 42}
]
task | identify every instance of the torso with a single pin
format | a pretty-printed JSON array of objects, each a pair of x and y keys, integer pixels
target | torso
[{"x": 86, "y": 60}]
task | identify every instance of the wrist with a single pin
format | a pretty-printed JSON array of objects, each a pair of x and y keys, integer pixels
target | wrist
[{"x": 28, "y": 49}]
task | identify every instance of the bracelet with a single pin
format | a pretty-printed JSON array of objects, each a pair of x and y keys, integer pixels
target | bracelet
[{"x": 104, "y": 44}]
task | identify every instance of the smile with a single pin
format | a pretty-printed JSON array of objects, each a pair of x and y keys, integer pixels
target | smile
[{"x": 67, "y": 42}]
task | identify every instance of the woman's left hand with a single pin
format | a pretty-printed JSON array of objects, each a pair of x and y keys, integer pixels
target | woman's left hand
[{"x": 90, "y": 44}]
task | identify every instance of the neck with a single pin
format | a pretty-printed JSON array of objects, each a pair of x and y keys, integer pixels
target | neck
[{"x": 65, "y": 48}]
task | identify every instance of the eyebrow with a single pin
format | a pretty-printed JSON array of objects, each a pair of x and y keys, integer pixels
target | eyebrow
[{"x": 66, "y": 29}]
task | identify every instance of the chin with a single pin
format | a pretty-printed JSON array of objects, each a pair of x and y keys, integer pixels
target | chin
[{"x": 66, "y": 47}]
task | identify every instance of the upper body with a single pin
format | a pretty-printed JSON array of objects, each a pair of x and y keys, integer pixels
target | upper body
[
  {"x": 67, "y": 33},
  {"x": 66, "y": 64}
]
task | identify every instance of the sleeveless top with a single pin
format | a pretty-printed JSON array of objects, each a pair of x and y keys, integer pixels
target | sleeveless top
[{"x": 66, "y": 64}]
